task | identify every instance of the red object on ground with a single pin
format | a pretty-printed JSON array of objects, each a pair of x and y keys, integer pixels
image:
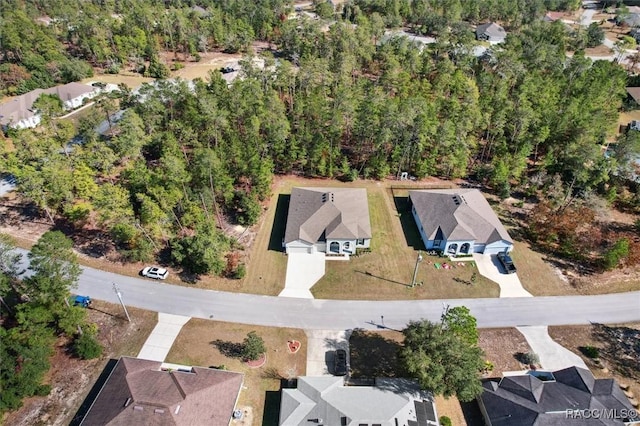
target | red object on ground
[
  {"x": 293, "y": 346},
  {"x": 258, "y": 362}
]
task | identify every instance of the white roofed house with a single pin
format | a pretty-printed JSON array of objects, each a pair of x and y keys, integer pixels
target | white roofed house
[
  {"x": 491, "y": 32},
  {"x": 458, "y": 222},
  {"x": 328, "y": 220},
  {"x": 19, "y": 113}
]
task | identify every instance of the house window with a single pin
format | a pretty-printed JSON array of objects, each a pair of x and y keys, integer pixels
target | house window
[
  {"x": 465, "y": 248},
  {"x": 360, "y": 242},
  {"x": 334, "y": 247},
  {"x": 347, "y": 245},
  {"x": 453, "y": 248},
  {"x": 436, "y": 243}
]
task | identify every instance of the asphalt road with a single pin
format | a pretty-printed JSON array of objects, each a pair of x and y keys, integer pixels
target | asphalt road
[
  {"x": 348, "y": 314},
  {"x": 342, "y": 315}
]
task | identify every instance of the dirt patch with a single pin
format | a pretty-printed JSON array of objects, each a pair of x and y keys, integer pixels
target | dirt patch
[
  {"x": 618, "y": 348},
  {"x": 212, "y": 343},
  {"x": 501, "y": 346},
  {"x": 71, "y": 378}
]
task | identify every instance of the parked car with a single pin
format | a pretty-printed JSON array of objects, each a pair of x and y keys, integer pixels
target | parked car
[
  {"x": 84, "y": 301},
  {"x": 507, "y": 262},
  {"x": 227, "y": 70},
  {"x": 340, "y": 366},
  {"x": 155, "y": 272}
]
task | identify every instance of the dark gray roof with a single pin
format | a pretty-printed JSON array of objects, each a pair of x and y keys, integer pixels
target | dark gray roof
[
  {"x": 491, "y": 29},
  {"x": 461, "y": 214},
  {"x": 527, "y": 400},
  {"x": 317, "y": 213}
]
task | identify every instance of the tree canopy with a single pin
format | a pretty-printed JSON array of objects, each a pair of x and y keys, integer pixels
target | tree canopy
[{"x": 442, "y": 359}]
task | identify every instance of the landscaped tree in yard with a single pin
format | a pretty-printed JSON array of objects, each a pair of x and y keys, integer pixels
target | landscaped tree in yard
[
  {"x": 443, "y": 361},
  {"x": 252, "y": 347},
  {"x": 459, "y": 321}
]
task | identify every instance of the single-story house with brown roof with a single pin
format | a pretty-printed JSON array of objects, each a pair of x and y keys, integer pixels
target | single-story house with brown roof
[
  {"x": 571, "y": 396},
  {"x": 141, "y": 392},
  {"x": 458, "y": 221},
  {"x": 328, "y": 220},
  {"x": 328, "y": 401},
  {"x": 20, "y": 114}
]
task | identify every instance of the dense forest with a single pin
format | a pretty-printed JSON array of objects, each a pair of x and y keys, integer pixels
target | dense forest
[{"x": 343, "y": 102}]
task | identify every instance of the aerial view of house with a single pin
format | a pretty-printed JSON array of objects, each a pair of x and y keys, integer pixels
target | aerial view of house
[
  {"x": 571, "y": 396},
  {"x": 139, "y": 391},
  {"x": 19, "y": 112},
  {"x": 330, "y": 220},
  {"x": 458, "y": 221},
  {"x": 328, "y": 401}
]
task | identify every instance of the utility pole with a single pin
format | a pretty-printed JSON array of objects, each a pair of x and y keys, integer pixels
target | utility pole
[
  {"x": 415, "y": 270},
  {"x": 117, "y": 290}
]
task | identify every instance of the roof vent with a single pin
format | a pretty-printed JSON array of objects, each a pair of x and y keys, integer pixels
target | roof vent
[
  {"x": 158, "y": 411},
  {"x": 327, "y": 196},
  {"x": 456, "y": 200},
  {"x": 177, "y": 410},
  {"x": 138, "y": 408},
  {"x": 127, "y": 402}
]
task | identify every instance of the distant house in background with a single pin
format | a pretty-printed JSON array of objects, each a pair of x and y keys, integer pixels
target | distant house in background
[
  {"x": 634, "y": 95},
  {"x": 328, "y": 220},
  {"x": 458, "y": 221},
  {"x": 564, "y": 398},
  {"x": 327, "y": 401},
  {"x": 491, "y": 32},
  {"x": 140, "y": 392},
  {"x": 19, "y": 113},
  {"x": 553, "y": 16}
]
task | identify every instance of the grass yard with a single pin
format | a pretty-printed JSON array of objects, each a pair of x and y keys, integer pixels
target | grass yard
[
  {"x": 386, "y": 272},
  {"x": 211, "y": 343}
]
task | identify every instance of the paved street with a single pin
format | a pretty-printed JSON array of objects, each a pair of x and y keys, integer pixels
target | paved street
[
  {"x": 320, "y": 314},
  {"x": 342, "y": 315}
]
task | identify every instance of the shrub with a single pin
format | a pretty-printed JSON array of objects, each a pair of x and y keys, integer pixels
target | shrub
[
  {"x": 591, "y": 351},
  {"x": 445, "y": 421},
  {"x": 530, "y": 358},
  {"x": 252, "y": 347},
  {"x": 240, "y": 272},
  {"x": 85, "y": 346},
  {"x": 612, "y": 257}
]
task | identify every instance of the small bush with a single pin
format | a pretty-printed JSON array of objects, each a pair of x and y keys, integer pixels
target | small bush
[
  {"x": 590, "y": 351},
  {"x": 445, "y": 421},
  {"x": 43, "y": 390},
  {"x": 85, "y": 346},
  {"x": 530, "y": 358},
  {"x": 240, "y": 272},
  {"x": 252, "y": 347}
]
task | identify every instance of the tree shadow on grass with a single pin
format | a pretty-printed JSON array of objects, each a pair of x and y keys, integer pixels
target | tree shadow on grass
[
  {"x": 229, "y": 349},
  {"x": 409, "y": 228},
  {"x": 279, "y": 223},
  {"x": 373, "y": 355},
  {"x": 620, "y": 347}
]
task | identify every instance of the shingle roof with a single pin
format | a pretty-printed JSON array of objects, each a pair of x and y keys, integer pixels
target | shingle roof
[
  {"x": 491, "y": 29},
  {"x": 320, "y": 213},
  {"x": 20, "y": 107},
  {"x": 328, "y": 399},
  {"x": 139, "y": 392},
  {"x": 460, "y": 214},
  {"x": 527, "y": 400},
  {"x": 634, "y": 92}
]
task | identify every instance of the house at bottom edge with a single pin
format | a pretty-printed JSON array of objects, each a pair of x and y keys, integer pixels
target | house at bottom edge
[
  {"x": 567, "y": 397},
  {"x": 328, "y": 220},
  {"x": 141, "y": 392},
  {"x": 329, "y": 401},
  {"x": 458, "y": 222}
]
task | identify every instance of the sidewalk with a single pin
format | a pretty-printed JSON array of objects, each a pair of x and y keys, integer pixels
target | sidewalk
[{"x": 162, "y": 337}]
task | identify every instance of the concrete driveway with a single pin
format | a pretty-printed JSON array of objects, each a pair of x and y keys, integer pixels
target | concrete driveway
[
  {"x": 162, "y": 337},
  {"x": 553, "y": 356},
  {"x": 489, "y": 266},
  {"x": 321, "y": 346},
  {"x": 303, "y": 271}
]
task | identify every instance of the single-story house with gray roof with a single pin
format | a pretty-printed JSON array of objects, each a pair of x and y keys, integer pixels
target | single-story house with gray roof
[
  {"x": 327, "y": 220},
  {"x": 491, "y": 32},
  {"x": 458, "y": 221},
  {"x": 19, "y": 113},
  {"x": 327, "y": 401},
  {"x": 567, "y": 397}
]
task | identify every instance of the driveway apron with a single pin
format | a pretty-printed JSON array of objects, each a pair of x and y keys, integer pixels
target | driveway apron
[
  {"x": 303, "y": 271},
  {"x": 162, "y": 337}
]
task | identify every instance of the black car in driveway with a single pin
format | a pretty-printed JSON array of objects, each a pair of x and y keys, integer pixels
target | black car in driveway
[
  {"x": 340, "y": 367},
  {"x": 507, "y": 262}
]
